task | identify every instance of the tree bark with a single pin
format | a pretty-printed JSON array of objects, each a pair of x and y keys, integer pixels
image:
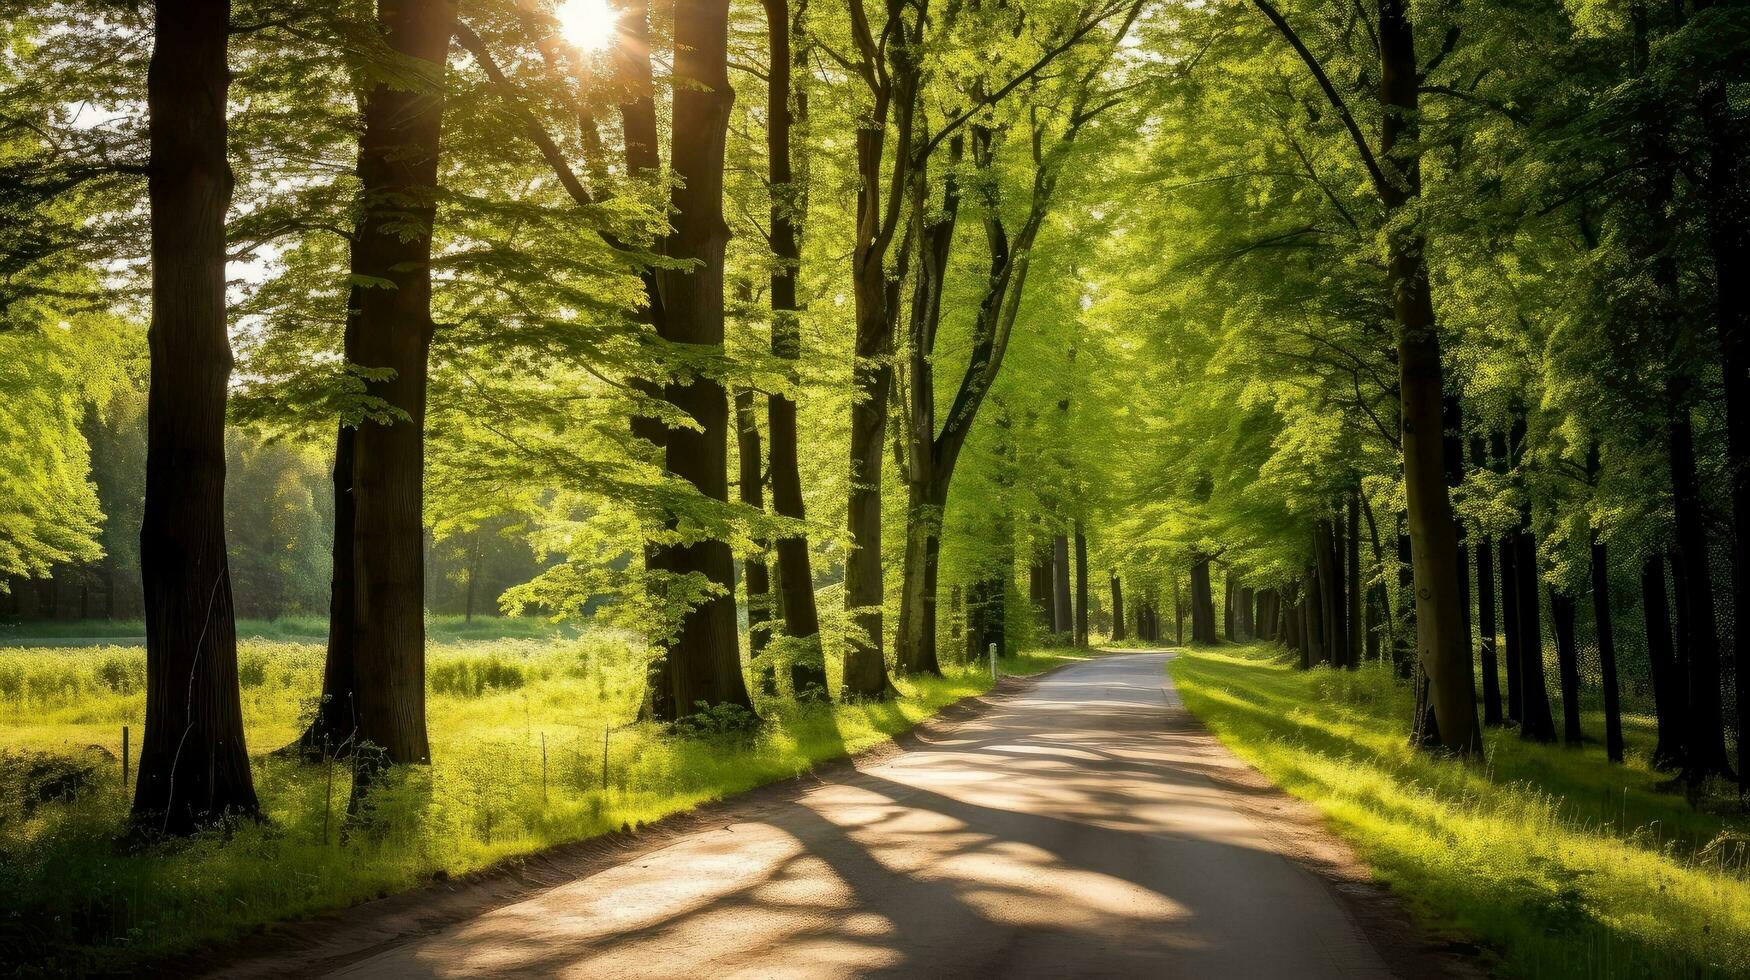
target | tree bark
[
  {"x": 1333, "y": 604},
  {"x": 1606, "y": 651},
  {"x": 1486, "y": 609},
  {"x": 335, "y": 723},
  {"x": 756, "y": 578},
  {"x": 1402, "y": 658},
  {"x": 1202, "y": 603},
  {"x": 398, "y": 160},
  {"x": 1704, "y": 751},
  {"x": 1727, "y": 192},
  {"x": 703, "y": 664},
  {"x": 916, "y": 653},
  {"x": 1081, "y": 587},
  {"x": 1670, "y": 695},
  {"x": 1443, "y": 642},
  {"x": 1509, "y": 545},
  {"x": 1227, "y": 608},
  {"x": 1179, "y": 612},
  {"x": 194, "y": 764},
  {"x": 893, "y": 91},
  {"x": 795, "y": 575},
  {"x": 1117, "y": 608},
  {"x": 1318, "y": 631},
  {"x": 1039, "y": 581},
  {"x": 1062, "y": 616},
  {"x": 1567, "y": 665},
  {"x": 1536, "y": 723},
  {"x": 1357, "y": 626}
]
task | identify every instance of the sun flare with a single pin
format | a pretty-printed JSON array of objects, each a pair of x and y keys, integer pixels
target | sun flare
[{"x": 587, "y": 25}]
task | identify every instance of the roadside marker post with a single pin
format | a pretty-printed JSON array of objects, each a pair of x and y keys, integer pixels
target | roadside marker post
[{"x": 993, "y": 663}]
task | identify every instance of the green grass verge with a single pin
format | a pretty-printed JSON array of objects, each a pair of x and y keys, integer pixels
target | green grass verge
[
  {"x": 291, "y": 629},
  {"x": 517, "y": 738},
  {"x": 1559, "y": 863}
]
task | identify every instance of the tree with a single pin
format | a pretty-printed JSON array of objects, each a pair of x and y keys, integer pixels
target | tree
[
  {"x": 194, "y": 764},
  {"x": 1441, "y": 641},
  {"x": 795, "y": 573}
]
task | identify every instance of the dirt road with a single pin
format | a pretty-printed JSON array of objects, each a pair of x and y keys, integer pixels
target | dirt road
[{"x": 1083, "y": 827}]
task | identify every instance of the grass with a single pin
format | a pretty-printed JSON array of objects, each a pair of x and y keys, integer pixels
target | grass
[
  {"x": 1559, "y": 863},
  {"x": 290, "y": 629},
  {"x": 517, "y": 731}
]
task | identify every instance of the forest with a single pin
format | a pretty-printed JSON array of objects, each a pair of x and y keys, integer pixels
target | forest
[{"x": 433, "y": 432}]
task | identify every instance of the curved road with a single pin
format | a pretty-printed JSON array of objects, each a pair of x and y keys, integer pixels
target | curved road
[{"x": 1082, "y": 827}]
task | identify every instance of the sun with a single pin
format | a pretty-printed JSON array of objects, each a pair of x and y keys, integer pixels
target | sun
[{"x": 587, "y": 25}]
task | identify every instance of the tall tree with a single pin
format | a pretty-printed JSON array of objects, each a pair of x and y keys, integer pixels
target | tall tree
[
  {"x": 391, "y": 266},
  {"x": 784, "y": 106},
  {"x": 194, "y": 765},
  {"x": 1395, "y": 172},
  {"x": 703, "y": 663}
]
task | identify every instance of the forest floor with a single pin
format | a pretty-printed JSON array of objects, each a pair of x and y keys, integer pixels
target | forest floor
[
  {"x": 1079, "y": 824},
  {"x": 535, "y": 745},
  {"x": 1558, "y": 863}
]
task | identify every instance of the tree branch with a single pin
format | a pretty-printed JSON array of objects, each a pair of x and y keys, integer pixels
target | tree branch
[{"x": 1318, "y": 72}]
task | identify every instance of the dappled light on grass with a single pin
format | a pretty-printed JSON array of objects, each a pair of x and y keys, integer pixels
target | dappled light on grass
[
  {"x": 1562, "y": 863},
  {"x": 517, "y": 739}
]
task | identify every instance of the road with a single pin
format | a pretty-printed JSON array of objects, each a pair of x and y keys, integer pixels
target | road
[{"x": 1084, "y": 826}]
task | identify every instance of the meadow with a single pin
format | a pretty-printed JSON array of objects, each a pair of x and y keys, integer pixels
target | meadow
[
  {"x": 536, "y": 742},
  {"x": 1559, "y": 863}
]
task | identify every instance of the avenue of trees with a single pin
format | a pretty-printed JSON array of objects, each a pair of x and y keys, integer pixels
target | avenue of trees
[{"x": 817, "y": 342}]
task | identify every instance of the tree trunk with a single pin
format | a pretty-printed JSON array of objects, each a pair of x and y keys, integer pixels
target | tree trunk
[
  {"x": 1178, "y": 613},
  {"x": 1486, "y": 609},
  {"x": 1567, "y": 665},
  {"x": 1357, "y": 626},
  {"x": 1318, "y": 631},
  {"x": 1728, "y": 207},
  {"x": 865, "y": 667},
  {"x": 795, "y": 576},
  {"x": 1227, "y": 608},
  {"x": 874, "y": 291},
  {"x": 1670, "y": 696},
  {"x": 1606, "y": 650},
  {"x": 755, "y": 576},
  {"x": 1402, "y": 655},
  {"x": 1039, "y": 583},
  {"x": 398, "y": 160},
  {"x": 1117, "y": 608},
  {"x": 1081, "y": 587},
  {"x": 1334, "y": 643},
  {"x": 335, "y": 723},
  {"x": 1536, "y": 723},
  {"x": 1508, "y": 546},
  {"x": 473, "y": 576},
  {"x": 1202, "y": 604},
  {"x": 194, "y": 765},
  {"x": 703, "y": 664},
  {"x": 1443, "y": 644},
  {"x": 916, "y": 641},
  {"x": 1704, "y": 751},
  {"x": 1062, "y": 616}
]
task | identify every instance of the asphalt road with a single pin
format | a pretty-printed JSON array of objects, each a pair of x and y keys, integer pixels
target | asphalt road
[{"x": 1082, "y": 827}]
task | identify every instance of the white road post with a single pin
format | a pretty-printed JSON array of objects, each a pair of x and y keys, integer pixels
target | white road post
[{"x": 993, "y": 663}]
